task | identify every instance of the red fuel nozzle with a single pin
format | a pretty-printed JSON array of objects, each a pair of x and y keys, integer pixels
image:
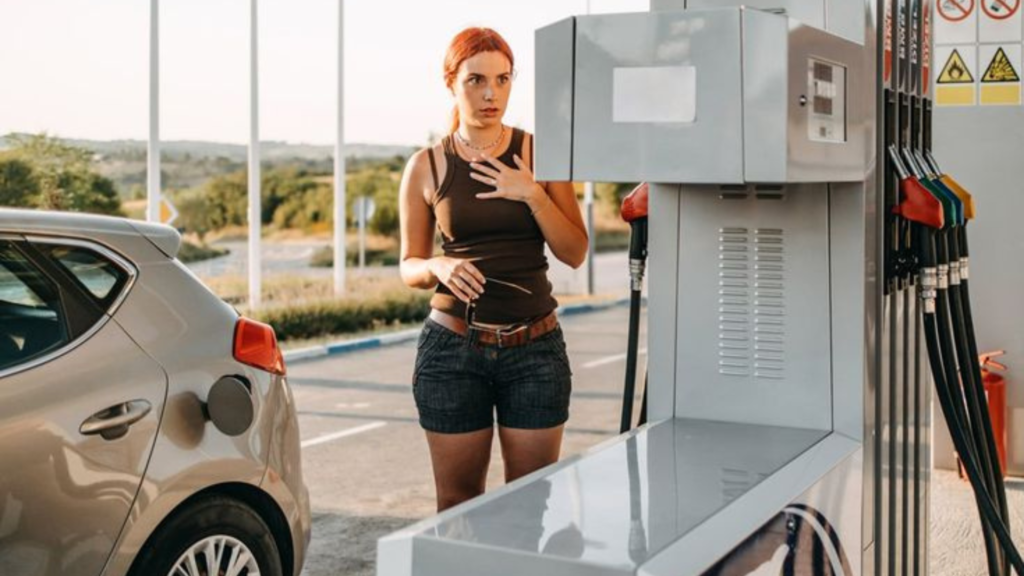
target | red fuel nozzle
[
  {"x": 919, "y": 205},
  {"x": 634, "y": 206}
]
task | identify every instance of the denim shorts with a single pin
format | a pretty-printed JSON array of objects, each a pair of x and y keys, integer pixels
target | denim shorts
[{"x": 459, "y": 384}]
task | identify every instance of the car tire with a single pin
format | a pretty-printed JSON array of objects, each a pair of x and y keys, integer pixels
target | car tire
[{"x": 222, "y": 522}]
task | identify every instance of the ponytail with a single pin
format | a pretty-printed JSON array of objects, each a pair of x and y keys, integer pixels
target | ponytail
[{"x": 455, "y": 120}]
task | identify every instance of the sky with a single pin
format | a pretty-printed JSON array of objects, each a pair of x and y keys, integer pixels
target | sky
[{"x": 79, "y": 68}]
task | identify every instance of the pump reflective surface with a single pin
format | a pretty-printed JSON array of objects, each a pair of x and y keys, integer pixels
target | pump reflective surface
[{"x": 619, "y": 506}]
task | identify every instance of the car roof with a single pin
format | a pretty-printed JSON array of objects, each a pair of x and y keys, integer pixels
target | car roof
[{"x": 80, "y": 225}]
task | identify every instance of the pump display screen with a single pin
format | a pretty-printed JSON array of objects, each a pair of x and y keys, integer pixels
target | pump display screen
[{"x": 826, "y": 86}]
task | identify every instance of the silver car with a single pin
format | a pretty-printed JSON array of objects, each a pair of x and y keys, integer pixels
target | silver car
[{"x": 145, "y": 427}]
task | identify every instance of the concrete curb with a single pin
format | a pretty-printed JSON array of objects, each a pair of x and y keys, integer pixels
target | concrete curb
[{"x": 344, "y": 346}]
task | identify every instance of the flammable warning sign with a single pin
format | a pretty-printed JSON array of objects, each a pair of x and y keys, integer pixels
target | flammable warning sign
[
  {"x": 1000, "y": 83},
  {"x": 955, "y": 84}
]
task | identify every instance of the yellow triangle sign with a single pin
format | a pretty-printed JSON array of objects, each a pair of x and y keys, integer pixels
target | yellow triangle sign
[
  {"x": 955, "y": 71},
  {"x": 1000, "y": 69}
]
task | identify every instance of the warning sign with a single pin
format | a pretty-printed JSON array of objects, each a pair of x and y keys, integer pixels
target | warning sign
[
  {"x": 955, "y": 84},
  {"x": 1000, "y": 69},
  {"x": 956, "y": 21},
  {"x": 1000, "y": 83},
  {"x": 955, "y": 10},
  {"x": 1000, "y": 9},
  {"x": 1000, "y": 21},
  {"x": 955, "y": 71}
]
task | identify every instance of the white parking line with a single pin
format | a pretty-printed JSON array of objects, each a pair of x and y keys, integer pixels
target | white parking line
[
  {"x": 343, "y": 433},
  {"x": 610, "y": 359}
]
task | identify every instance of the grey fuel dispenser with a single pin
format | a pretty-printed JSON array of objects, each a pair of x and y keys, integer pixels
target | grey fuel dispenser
[{"x": 759, "y": 133}]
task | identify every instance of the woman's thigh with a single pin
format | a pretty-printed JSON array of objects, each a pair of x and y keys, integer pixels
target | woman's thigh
[
  {"x": 525, "y": 451},
  {"x": 460, "y": 463}
]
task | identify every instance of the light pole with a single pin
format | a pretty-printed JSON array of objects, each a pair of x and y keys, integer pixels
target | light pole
[
  {"x": 255, "y": 221},
  {"x": 153, "y": 147},
  {"x": 339, "y": 162}
]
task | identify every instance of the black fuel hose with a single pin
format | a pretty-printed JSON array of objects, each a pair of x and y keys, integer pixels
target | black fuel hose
[
  {"x": 972, "y": 344},
  {"x": 629, "y": 390},
  {"x": 968, "y": 377},
  {"x": 967, "y": 391},
  {"x": 950, "y": 400},
  {"x": 952, "y": 377}
]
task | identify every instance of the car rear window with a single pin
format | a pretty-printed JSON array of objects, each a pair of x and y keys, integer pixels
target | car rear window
[{"x": 97, "y": 274}]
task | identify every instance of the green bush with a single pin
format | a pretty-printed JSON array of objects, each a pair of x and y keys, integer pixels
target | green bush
[
  {"x": 198, "y": 252},
  {"x": 40, "y": 171},
  {"x": 611, "y": 241},
  {"x": 339, "y": 316}
]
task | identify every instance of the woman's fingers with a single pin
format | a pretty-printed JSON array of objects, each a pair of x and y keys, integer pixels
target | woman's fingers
[
  {"x": 461, "y": 295},
  {"x": 475, "y": 272},
  {"x": 485, "y": 169},
  {"x": 487, "y": 195},
  {"x": 473, "y": 284},
  {"x": 501, "y": 167},
  {"x": 484, "y": 179}
]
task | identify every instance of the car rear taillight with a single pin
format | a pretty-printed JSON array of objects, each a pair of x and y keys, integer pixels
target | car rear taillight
[{"x": 256, "y": 345}]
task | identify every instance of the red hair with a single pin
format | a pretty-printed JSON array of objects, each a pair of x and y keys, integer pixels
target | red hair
[{"x": 466, "y": 44}]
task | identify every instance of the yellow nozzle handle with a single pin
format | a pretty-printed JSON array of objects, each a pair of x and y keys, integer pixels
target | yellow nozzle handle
[{"x": 964, "y": 195}]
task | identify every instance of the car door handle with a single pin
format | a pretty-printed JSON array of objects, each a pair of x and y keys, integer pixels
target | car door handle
[{"x": 116, "y": 419}]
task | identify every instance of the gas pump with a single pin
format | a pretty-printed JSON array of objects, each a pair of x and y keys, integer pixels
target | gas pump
[{"x": 786, "y": 394}]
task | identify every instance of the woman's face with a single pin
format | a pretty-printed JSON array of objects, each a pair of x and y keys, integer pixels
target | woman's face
[{"x": 482, "y": 87}]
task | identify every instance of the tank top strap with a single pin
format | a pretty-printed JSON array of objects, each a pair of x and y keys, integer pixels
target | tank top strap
[
  {"x": 449, "y": 147},
  {"x": 516, "y": 145}
]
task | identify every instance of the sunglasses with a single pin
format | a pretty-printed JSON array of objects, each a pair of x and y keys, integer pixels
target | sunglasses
[{"x": 471, "y": 311}]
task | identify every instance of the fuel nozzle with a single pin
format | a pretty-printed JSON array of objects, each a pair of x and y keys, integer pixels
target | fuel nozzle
[
  {"x": 919, "y": 206},
  {"x": 634, "y": 211}
]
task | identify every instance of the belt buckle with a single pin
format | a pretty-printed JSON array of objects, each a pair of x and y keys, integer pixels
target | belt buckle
[{"x": 500, "y": 333}]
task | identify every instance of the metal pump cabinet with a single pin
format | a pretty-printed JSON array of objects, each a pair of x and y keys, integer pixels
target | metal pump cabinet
[{"x": 758, "y": 134}]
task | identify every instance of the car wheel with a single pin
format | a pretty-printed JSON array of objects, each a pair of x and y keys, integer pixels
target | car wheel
[{"x": 212, "y": 536}]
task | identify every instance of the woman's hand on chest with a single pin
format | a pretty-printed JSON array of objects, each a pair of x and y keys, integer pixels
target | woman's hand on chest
[{"x": 509, "y": 183}]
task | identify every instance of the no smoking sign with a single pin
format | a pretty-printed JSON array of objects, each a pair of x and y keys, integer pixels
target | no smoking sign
[
  {"x": 956, "y": 10},
  {"x": 1000, "y": 9}
]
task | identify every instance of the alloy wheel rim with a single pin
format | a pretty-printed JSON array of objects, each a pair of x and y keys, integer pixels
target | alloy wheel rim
[{"x": 217, "y": 555}]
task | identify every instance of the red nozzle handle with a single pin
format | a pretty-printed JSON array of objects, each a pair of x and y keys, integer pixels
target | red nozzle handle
[
  {"x": 919, "y": 205},
  {"x": 634, "y": 205}
]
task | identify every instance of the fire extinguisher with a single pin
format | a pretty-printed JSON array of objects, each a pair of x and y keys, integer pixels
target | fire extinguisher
[{"x": 995, "y": 390}]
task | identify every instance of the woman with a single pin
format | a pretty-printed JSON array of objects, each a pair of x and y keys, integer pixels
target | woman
[{"x": 492, "y": 342}]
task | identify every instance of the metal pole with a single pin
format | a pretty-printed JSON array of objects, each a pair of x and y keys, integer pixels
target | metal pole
[
  {"x": 153, "y": 148},
  {"x": 255, "y": 223},
  {"x": 361, "y": 207},
  {"x": 588, "y": 206},
  {"x": 339, "y": 162}
]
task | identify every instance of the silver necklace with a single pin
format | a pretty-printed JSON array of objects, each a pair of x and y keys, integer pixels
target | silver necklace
[{"x": 467, "y": 144}]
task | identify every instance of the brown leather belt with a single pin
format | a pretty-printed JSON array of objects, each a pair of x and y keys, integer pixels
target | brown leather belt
[{"x": 503, "y": 337}]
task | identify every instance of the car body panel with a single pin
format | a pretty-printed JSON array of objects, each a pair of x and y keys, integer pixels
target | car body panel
[
  {"x": 189, "y": 332},
  {"x": 64, "y": 496}
]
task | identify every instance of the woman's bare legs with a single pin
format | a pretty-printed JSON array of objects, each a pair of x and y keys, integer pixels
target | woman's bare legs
[
  {"x": 527, "y": 450},
  {"x": 460, "y": 464}
]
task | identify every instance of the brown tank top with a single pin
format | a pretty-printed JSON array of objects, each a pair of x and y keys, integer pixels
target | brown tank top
[{"x": 500, "y": 237}]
